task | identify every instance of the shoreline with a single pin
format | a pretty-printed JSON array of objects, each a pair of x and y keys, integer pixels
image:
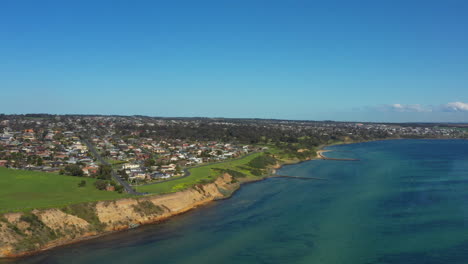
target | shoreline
[
  {"x": 56, "y": 245},
  {"x": 60, "y": 243},
  {"x": 233, "y": 188}
]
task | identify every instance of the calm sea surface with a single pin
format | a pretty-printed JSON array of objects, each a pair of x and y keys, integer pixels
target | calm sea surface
[{"x": 405, "y": 201}]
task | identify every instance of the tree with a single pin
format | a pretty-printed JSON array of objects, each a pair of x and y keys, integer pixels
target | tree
[
  {"x": 123, "y": 174},
  {"x": 178, "y": 169},
  {"x": 205, "y": 154},
  {"x": 58, "y": 136},
  {"x": 100, "y": 184},
  {"x": 150, "y": 162},
  {"x": 119, "y": 188},
  {"x": 82, "y": 183},
  {"x": 72, "y": 170},
  {"x": 104, "y": 172}
]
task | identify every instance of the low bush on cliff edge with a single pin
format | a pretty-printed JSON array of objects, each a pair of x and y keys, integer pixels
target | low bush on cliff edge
[
  {"x": 32, "y": 220},
  {"x": 87, "y": 212},
  {"x": 146, "y": 208},
  {"x": 39, "y": 234}
]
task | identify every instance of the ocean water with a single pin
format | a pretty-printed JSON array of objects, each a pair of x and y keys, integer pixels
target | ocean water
[{"x": 405, "y": 201}]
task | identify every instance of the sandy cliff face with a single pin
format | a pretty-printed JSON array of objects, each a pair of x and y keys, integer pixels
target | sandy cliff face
[
  {"x": 60, "y": 221},
  {"x": 23, "y": 233}
]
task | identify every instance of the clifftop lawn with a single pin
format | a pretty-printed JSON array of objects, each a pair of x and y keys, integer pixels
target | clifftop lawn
[{"x": 26, "y": 190}]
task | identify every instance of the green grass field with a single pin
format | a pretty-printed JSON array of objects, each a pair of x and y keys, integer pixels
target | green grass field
[
  {"x": 23, "y": 190},
  {"x": 199, "y": 175}
]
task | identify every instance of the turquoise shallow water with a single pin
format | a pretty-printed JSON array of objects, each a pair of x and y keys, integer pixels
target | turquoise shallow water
[{"x": 405, "y": 201}]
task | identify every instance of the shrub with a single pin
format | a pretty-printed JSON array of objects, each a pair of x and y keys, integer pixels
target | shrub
[
  {"x": 72, "y": 170},
  {"x": 257, "y": 172},
  {"x": 40, "y": 233},
  {"x": 145, "y": 208},
  {"x": 32, "y": 220},
  {"x": 119, "y": 188},
  {"x": 87, "y": 212},
  {"x": 100, "y": 184},
  {"x": 82, "y": 183}
]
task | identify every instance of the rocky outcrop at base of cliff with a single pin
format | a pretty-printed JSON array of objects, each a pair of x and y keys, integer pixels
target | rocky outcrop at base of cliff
[{"x": 24, "y": 233}]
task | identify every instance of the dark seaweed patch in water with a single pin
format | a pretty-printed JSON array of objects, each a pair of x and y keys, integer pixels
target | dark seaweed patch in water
[
  {"x": 236, "y": 225},
  {"x": 454, "y": 255},
  {"x": 280, "y": 251},
  {"x": 413, "y": 198},
  {"x": 435, "y": 183},
  {"x": 400, "y": 214},
  {"x": 419, "y": 227},
  {"x": 284, "y": 235},
  {"x": 438, "y": 224},
  {"x": 410, "y": 258},
  {"x": 257, "y": 202},
  {"x": 451, "y": 182}
]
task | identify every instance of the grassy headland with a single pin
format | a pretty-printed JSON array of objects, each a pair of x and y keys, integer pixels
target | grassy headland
[{"x": 23, "y": 190}]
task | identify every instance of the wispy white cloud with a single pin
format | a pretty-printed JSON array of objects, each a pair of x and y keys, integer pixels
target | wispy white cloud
[
  {"x": 404, "y": 108},
  {"x": 417, "y": 108},
  {"x": 455, "y": 107}
]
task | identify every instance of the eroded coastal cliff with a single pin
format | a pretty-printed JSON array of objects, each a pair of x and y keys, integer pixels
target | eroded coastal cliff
[{"x": 26, "y": 233}]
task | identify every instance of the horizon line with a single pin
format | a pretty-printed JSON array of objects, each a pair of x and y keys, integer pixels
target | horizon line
[{"x": 235, "y": 118}]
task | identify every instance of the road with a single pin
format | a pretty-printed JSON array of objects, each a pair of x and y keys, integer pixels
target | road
[{"x": 115, "y": 176}]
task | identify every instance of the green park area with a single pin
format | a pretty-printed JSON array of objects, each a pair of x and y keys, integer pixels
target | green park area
[{"x": 23, "y": 190}]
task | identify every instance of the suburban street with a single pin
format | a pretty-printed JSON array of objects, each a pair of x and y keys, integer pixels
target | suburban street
[{"x": 115, "y": 176}]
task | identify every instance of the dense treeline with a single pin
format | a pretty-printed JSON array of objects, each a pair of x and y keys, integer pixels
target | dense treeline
[{"x": 248, "y": 134}]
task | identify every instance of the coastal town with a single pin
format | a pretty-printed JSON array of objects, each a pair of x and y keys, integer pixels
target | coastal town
[
  {"x": 55, "y": 146},
  {"x": 145, "y": 149}
]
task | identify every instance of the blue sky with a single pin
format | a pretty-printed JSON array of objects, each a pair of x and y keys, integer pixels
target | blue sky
[{"x": 340, "y": 60}]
